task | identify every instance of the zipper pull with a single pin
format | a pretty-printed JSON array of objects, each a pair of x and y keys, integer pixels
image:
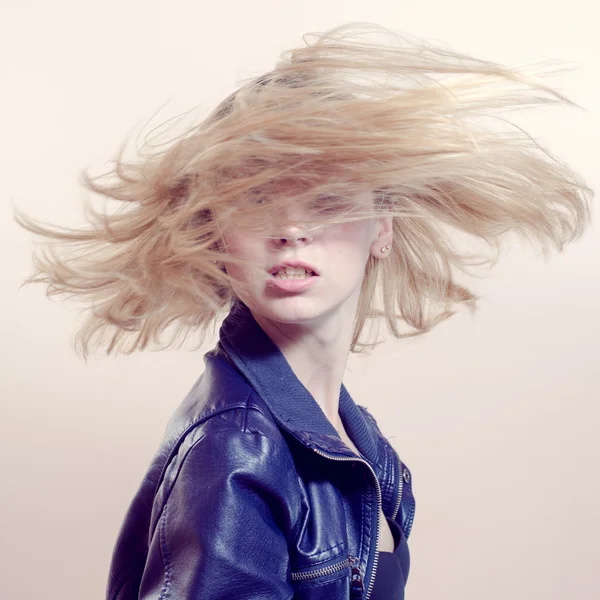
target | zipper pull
[{"x": 356, "y": 581}]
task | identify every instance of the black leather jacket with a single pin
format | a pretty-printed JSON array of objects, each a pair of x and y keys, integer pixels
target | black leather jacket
[{"x": 252, "y": 494}]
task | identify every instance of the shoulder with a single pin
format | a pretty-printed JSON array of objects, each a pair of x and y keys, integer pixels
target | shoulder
[
  {"x": 223, "y": 413},
  {"x": 221, "y": 400},
  {"x": 221, "y": 428}
]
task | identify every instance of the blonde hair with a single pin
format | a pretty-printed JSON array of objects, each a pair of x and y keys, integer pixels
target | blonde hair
[{"x": 417, "y": 124}]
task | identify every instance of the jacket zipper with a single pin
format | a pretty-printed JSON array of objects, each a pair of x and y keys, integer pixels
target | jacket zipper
[
  {"x": 329, "y": 570},
  {"x": 357, "y": 579},
  {"x": 400, "y": 478}
]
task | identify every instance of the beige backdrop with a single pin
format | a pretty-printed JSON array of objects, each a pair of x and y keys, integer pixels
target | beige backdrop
[{"x": 497, "y": 415}]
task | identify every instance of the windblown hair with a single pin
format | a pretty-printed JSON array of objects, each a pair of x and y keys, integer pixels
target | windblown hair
[{"x": 419, "y": 126}]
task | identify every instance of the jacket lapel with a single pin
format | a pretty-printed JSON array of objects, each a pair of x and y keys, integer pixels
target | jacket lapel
[{"x": 292, "y": 405}]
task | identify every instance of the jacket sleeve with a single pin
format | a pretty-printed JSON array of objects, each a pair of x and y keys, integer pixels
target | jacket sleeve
[{"x": 223, "y": 531}]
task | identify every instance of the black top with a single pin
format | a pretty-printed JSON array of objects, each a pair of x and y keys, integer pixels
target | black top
[{"x": 392, "y": 568}]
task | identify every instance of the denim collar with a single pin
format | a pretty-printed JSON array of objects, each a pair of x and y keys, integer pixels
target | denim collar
[{"x": 291, "y": 404}]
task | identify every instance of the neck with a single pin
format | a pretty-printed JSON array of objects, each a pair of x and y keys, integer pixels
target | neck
[{"x": 317, "y": 353}]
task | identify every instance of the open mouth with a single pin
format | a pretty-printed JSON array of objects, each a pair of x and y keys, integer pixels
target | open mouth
[{"x": 293, "y": 273}]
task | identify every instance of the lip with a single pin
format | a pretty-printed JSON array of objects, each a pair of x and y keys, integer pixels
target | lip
[
  {"x": 293, "y": 263},
  {"x": 292, "y": 285}
]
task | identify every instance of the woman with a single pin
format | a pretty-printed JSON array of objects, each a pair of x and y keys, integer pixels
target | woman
[{"x": 324, "y": 195}]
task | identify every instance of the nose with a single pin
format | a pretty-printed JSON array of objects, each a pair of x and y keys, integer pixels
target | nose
[
  {"x": 293, "y": 236},
  {"x": 293, "y": 233}
]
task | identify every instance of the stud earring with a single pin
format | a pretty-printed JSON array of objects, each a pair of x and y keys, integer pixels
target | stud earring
[{"x": 386, "y": 247}]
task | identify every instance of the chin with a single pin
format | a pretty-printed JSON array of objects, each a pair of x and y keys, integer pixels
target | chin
[
  {"x": 289, "y": 310},
  {"x": 296, "y": 312}
]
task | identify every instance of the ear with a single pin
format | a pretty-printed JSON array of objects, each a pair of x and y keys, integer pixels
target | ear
[{"x": 381, "y": 245}]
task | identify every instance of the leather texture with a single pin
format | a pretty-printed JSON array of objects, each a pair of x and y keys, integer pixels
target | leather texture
[{"x": 253, "y": 495}]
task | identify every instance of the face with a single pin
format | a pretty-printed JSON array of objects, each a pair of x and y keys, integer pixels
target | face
[{"x": 304, "y": 277}]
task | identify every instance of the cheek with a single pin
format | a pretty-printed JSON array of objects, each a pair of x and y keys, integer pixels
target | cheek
[
  {"x": 348, "y": 251},
  {"x": 242, "y": 246},
  {"x": 245, "y": 248},
  {"x": 235, "y": 244},
  {"x": 353, "y": 238}
]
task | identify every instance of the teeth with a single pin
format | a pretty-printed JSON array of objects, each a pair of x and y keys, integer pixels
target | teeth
[{"x": 293, "y": 273}]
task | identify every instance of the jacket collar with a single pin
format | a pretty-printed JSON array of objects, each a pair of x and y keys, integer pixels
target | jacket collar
[{"x": 291, "y": 404}]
